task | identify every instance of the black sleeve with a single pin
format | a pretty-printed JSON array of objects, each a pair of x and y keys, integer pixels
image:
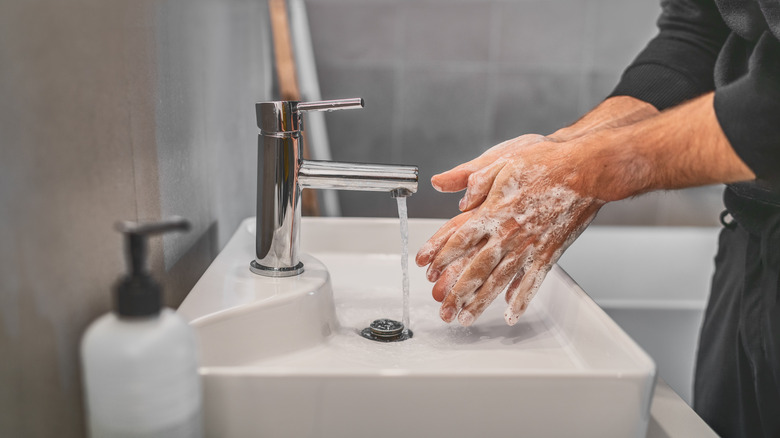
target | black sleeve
[
  {"x": 677, "y": 65},
  {"x": 748, "y": 111}
]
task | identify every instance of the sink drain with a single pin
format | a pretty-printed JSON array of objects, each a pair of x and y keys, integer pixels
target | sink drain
[{"x": 386, "y": 330}]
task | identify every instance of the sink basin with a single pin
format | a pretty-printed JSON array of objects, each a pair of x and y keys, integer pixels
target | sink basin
[{"x": 283, "y": 358}]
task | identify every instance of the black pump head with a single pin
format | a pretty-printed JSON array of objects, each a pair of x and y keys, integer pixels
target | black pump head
[{"x": 137, "y": 294}]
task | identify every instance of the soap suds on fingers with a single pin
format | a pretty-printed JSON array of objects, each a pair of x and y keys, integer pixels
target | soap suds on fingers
[{"x": 529, "y": 217}]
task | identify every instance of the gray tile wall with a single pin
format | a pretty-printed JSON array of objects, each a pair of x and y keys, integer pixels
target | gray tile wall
[
  {"x": 444, "y": 80},
  {"x": 112, "y": 110}
]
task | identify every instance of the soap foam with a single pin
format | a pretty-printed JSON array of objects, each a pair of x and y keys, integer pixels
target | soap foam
[{"x": 523, "y": 212}]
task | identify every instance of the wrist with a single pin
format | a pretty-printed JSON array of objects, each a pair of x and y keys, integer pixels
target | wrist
[
  {"x": 565, "y": 134},
  {"x": 613, "y": 112},
  {"x": 612, "y": 165}
]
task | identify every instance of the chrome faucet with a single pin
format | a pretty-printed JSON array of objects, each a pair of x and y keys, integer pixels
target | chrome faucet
[{"x": 283, "y": 173}]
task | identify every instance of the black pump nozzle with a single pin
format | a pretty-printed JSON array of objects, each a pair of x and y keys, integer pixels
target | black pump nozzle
[{"x": 137, "y": 293}]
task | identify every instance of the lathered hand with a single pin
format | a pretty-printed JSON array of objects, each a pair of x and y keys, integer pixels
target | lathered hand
[
  {"x": 477, "y": 175},
  {"x": 541, "y": 194},
  {"x": 539, "y": 201}
]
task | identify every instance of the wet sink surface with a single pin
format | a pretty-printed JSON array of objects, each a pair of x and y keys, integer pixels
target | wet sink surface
[
  {"x": 535, "y": 343},
  {"x": 284, "y": 358}
]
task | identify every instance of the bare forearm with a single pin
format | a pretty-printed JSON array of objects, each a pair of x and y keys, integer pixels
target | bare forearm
[{"x": 681, "y": 147}]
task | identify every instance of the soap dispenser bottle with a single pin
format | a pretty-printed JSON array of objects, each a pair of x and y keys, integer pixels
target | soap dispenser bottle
[{"x": 140, "y": 361}]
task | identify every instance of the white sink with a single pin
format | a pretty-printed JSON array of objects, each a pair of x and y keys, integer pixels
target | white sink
[{"x": 282, "y": 357}]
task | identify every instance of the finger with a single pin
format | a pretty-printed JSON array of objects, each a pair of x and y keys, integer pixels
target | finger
[
  {"x": 448, "y": 279},
  {"x": 514, "y": 285},
  {"x": 526, "y": 289},
  {"x": 530, "y": 254},
  {"x": 538, "y": 271},
  {"x": 490, "y": 289},
  {"x": 457, "y": 178},
  {"x": 457, "y": 245},
  {"x": 479, "y": 185},
  {"x": 432, "y": 247},
  {"x": 552, "y": 245},
  {"x": 450, "y": 275},
  {"x": 453, "y": 180},
  {"x": 478, "y": 269}
]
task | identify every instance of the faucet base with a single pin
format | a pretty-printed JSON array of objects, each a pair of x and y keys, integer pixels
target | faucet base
[{"x": 266, "y": 271}]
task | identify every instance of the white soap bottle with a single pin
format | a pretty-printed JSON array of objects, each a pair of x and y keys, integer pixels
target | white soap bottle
[{"x": 140, "y": 368}]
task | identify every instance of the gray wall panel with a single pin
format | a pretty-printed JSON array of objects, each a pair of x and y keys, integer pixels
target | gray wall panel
[{"x": 112, "y": 110}]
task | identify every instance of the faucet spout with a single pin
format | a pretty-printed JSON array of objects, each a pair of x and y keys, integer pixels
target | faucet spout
[
  {"x": 283, "y": 173},
  {"x": 357, "y": 176}
]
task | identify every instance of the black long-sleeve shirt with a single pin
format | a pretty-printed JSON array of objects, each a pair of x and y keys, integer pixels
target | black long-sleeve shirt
[{"x": 732, "y": 47}]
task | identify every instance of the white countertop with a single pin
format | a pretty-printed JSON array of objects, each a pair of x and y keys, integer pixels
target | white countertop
[{"x": 671, "y": 417}]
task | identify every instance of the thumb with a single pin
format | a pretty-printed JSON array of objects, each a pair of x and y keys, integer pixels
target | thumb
[{"x": 453, "y": 180}]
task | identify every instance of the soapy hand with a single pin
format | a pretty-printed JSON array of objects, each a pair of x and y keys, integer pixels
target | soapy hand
[
  {"x": 538, "y": 198},
  {"x": 477, "y": 175}
]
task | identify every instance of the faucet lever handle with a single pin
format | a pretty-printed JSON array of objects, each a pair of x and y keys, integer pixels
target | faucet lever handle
[{"x": 331, "y": 105}]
